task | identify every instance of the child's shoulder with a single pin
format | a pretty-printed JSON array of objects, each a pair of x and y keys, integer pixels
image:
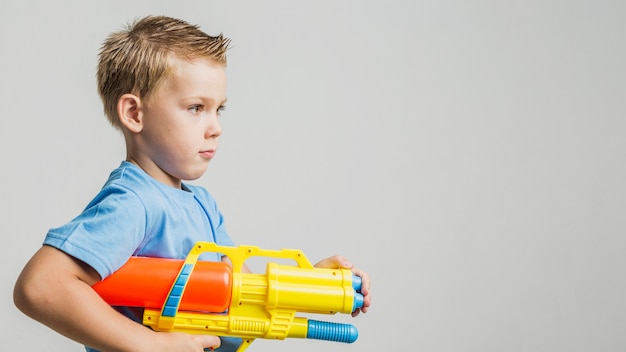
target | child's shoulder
[{"x": 127, "y": 172}]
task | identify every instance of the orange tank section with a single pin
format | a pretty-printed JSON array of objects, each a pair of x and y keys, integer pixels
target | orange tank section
[{"x": 146, "y": 282}]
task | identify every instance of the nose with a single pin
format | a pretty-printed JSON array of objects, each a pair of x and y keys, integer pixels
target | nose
[{"x": 214, "y": 129}]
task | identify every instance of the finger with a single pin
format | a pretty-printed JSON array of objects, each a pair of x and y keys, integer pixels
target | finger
[
  {"x": 209, "y": 342},
  {"x": 365, "y": 291},
  {"x": 334, "y": 262},
  {"x": 365, "y": 281}
]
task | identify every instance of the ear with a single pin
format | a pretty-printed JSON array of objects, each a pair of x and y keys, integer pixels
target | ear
[{"x": 129, "y": 112}]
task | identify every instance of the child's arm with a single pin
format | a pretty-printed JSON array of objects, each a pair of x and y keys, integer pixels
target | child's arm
[
  {"x": 340, "y": 262},
  {"x": 55, "y": 289}
]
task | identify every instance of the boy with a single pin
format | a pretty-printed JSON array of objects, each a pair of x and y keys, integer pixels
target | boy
[{"x": 162, "y": 82}]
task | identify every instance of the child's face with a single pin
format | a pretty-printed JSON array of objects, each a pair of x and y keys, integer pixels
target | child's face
[{"x": 181, "y": 128}]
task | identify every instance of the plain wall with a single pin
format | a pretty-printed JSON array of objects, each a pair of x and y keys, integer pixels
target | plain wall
[{"x": 468, "y": 154}]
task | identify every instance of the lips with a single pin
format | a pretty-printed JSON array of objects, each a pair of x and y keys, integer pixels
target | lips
[{"x": 208, "y": 153}]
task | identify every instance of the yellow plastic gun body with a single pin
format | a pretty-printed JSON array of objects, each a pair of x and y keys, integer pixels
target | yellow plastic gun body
[{"x": 263, "y": 305}]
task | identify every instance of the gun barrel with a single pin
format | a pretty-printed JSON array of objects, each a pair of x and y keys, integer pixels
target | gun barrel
[
  {"x": 329, "y": 331},
  {"x": 325, "y": 291}
]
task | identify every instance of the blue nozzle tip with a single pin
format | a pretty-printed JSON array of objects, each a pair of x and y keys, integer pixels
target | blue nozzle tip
[
  {"x": 358, "y": 301},
  {"x": 357, "y": 283}
]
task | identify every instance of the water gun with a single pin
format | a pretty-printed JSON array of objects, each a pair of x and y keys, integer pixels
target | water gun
[{"x": 195, "y": 296}]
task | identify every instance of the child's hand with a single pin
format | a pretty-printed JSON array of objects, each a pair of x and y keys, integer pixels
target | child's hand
[
  {"x": 339, "y": 262},
  {"x": 175, "y": 341}
]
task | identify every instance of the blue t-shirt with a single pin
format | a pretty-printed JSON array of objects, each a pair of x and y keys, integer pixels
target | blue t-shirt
[{"x": 136, "y": 215}]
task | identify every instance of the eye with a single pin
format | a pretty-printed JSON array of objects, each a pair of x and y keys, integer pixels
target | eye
[
  {"x": 220, "y": 110},
  {"x": 196, "y": 109}
]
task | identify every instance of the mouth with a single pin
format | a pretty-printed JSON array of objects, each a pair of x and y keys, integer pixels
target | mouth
[{"x": 208, "y": 153}]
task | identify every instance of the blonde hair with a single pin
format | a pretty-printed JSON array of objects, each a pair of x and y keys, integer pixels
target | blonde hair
[{"x": 135, "y": 59}]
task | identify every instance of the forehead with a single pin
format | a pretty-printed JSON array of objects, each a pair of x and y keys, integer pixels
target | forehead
[{"x": 195, "y": 77}]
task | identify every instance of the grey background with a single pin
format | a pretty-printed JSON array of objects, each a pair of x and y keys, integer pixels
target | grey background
[{"x": 468, "y": 154}]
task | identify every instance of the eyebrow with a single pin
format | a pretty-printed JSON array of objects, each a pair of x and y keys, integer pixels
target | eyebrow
[{"x": 209, "y": 99}]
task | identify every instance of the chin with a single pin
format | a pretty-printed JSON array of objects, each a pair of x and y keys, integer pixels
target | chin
[{"x": 196, "y": 174}]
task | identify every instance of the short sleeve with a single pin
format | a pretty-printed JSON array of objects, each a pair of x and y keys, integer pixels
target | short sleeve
[{"x": 106, "y": 233}]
